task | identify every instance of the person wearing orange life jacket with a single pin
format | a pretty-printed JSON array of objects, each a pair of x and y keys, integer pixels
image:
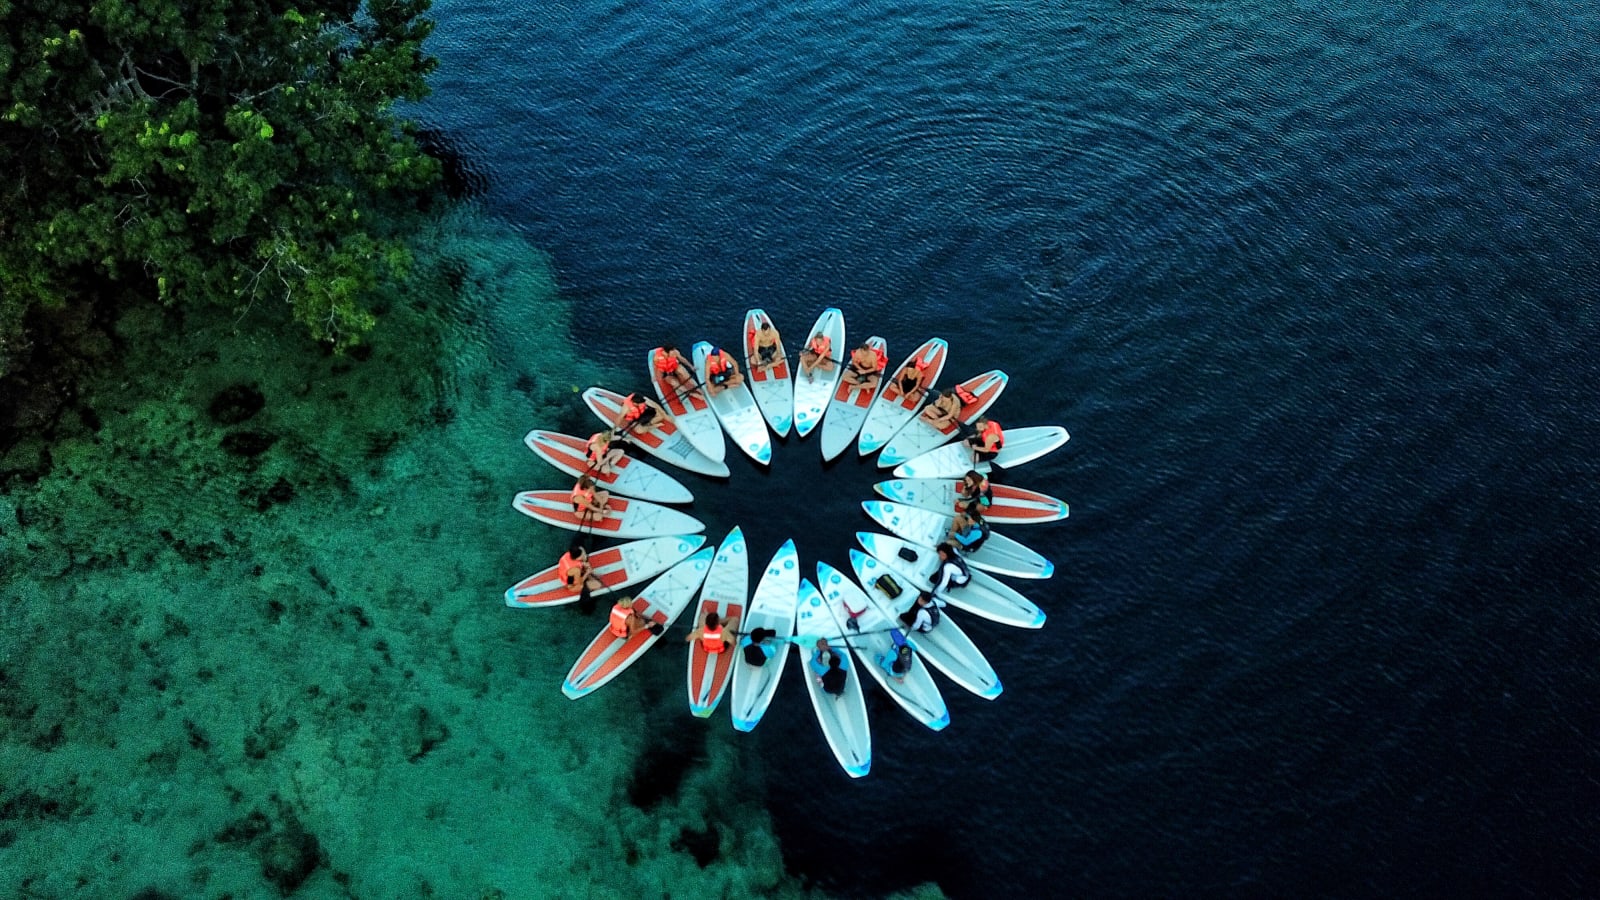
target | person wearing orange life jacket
[
  {"x": 913, "y": 379},
  {"x": 818, "y": 354},
  {"x": 603, "y": 457},
  {"x": 625, "y": 621},
  {"x": 712, "y": 635},
  {"x": 765, "y": 344},
  {"x": 721, "y": 371},
  {"x": 941, "y": 410},
  {"x": 986, "y": 441},
  {"x": 575, "y": 571},
  {"x": 866, "y": 367},
  {"x": 589, "y": 502},
  {"x": 674, "y": 370},
  {"x": 639, "y": 413}
]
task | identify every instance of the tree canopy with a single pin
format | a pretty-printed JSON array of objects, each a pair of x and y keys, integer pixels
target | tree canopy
[{"x": 235, "y": 151}]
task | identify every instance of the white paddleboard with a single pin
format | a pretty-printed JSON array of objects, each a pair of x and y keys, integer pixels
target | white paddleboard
[
  {"x": 737, "y": 409},
  {"x": 1012, "y": 505},
  {"x": 662, "y": 440},
  {"x": 918, "y": 437},
  {"x": 624, "y": 518},
  {"x": 947, "y": 648},
  {"x": 632, "y": 477},
  {"x": 985, "y": 596},
  {"x": 811, "y": 395},
  {"x": 843, "y": 717},
  {"x": 726, "y": 592},
  {"x": 772, "y": 386},
  {"x": 955, "y": 460},
  {"x": 772, "y": 607},
  {"x": 848, "y": 409},
  {"x": 894, "y": 409},
  {"x": 999, "y": 553},
  {"x": 872, "y": 643},
  {"x": 662, "y": 602},
  {"x": 691, "y": 411}
]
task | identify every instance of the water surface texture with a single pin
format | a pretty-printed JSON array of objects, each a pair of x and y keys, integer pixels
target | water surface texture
[{"x": 1312, "y": 286}]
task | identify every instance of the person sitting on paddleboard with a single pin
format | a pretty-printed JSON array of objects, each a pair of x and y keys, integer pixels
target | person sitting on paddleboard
[
  {"x": 896, "y": 662},
  {"x": 639, "y": 414},
  {"x": 968, "y": 531},
  {"x": 913, "y": 379},
  {"x": 924, "y": 616},
  {"x": 986, "y": 440},
  {"x": 828, "y": 666},
  {"x": 625, "y": 621},
  {"x": 974, "y": 491},
  {"x": 675, "y": 370},
  {"x": 941, "y": 410},
  {"x": 952, "y": 571},
  {"x": 589, "y": 502},
  {"x": 766, "y": 341},
  {"x": 818, "y": 354},
  {"x": 866, "y": 367},
  {"x": 758, "y": 646},
  {"x": 721, "y": 371},
  {"x": 712, "y": 635},
  {"x": 602, "y": 456},
  {"x": 575, "y": 571}
]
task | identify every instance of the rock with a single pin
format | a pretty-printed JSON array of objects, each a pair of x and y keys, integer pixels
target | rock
[{"x": 235, "y": 404}]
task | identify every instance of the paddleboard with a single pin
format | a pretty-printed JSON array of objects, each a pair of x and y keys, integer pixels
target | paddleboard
[
  {"x": 843, "y": 717},
  {"x": 955, "y": 460},
  {"x": 946, "y": 648},
  {"x": 624, "y": 518},
  {"x": 691, "y": 411},
  {"x": 725, "y": 592},
  {"x": 985, "y": 595},
  {"x": 662, "y": 602},
  {"x": 1012, "y": 505},
  {"x": 736, "y": 407},
  {"x": 631, "y": 476},
  {"x": 918, "y": 437},
  {"x": 893, "y": 409},
  {"x": 617, "y": 567},
  {"x": 772, "y": 607},
  {"x": 871, "y": 642},
  {"x": 848, "y": 409},
  {"x": 663, "y": 440},
  {"x": 772, "y": 387},
  {"x": 811, "y": 394},
  {"x": 999, "y": 554}
]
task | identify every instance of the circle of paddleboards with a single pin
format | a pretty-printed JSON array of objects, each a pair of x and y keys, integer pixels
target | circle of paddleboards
[
  {"x": 659, "y": 604},
  {"x": 617, "y": 567},
  {"x": 985, "y": 595},
  {"x": 691, "y": 411},
  {"x": 918, "y": 437},
  {"x": 848, "y": 408},
  {"x": 629, "y": 476},
  {"x": 624, "y": 518},
  {"x": 873, "y": 643},
  {"x": 770, "y": 384},
  {"x": 811, "y": 392},
  {"x": 947, "y": 648},
  {"x": 894, "y": 408},
  {"x": 843, "y": 717},
  {"x": 772, "y": 607},
  {"x": 1012, "y": 505},
  {"x": 998, "y": 554},
  {"x": 726, "y": 589},
  {"x": 736, "y": 407},
  {"x": 663, "y": 440},
  {"x": 955, "y": 460}
]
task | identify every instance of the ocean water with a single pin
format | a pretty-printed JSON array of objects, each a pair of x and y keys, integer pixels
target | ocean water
[{"x": 1313, "y": 287}]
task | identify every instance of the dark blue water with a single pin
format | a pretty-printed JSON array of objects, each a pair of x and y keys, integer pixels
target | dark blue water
[{"x": 1315, "y": 291}]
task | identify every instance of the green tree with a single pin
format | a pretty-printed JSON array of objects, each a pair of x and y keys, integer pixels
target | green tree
[{"x": 234, "y": 151}]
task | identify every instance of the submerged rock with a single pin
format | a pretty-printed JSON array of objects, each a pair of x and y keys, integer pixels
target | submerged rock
[{"x": 236, "y": 403}]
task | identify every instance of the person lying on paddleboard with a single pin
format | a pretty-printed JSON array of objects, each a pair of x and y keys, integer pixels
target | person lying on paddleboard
[
  {"x": 640, "y": 414},
  {"x": 576, "y": 572},
  {"x": 986, "y": 440},
  {"x": 818, "y": 354},
  {"x": 766, "y": 342},
  {"x": 942, "y": 409},
  {"x": 588, "y": 502},
  {"x": 952, "y": 571},
  {"x": 758, "y": 646},
  {"x": 828, "y": 666},
  {"x": 866, "y": 367},
  {"x": 721, "y": 371},
  {"x": 626, "y": 622},
  {"x": 675, "y": 370},
  {"x": 711, "y": 635},
  {"x": 601, "y": 455}
]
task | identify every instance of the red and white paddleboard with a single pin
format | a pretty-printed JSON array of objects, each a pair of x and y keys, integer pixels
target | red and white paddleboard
[
  {"x": 726, "y": 593},
  {"x": 772, "y": 387},
  {"x": 617, "y": 567},
  {"x": 811, "y": 393},
  {"x": 632, "y": 477},
  {"x": 848, "y": 409},
  {"x": 662, "y": 440},
  {"x": 661, "y": 603},
  {"x": 693, "y": 412},
  {"x": 894, "y": 408},
  {"x": 1011, "y": 504},
  {"x": 623, "y": 519},
  {"x": 918, "y": 437},
  {"x": 1022, "y": 445}
]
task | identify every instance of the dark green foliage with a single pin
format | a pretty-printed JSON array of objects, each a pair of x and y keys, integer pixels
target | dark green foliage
[{"x": 234, "y": 151}]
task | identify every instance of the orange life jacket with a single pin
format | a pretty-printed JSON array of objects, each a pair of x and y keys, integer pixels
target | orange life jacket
[
  {"x": 666, "y": 363},
  {"x": 582, "y": 498},
  {"x": 596, "y": 449},
  {"x": 821, "y": 345},
  {"x": 883, "y": 359},
  {"x": 619, "y": 620},
  {"x": 992, "y": 431},
  {"x": 711, "y": 640},
  {"x": 631, "y": 411},
  {"x": 716, "y": 363}
]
